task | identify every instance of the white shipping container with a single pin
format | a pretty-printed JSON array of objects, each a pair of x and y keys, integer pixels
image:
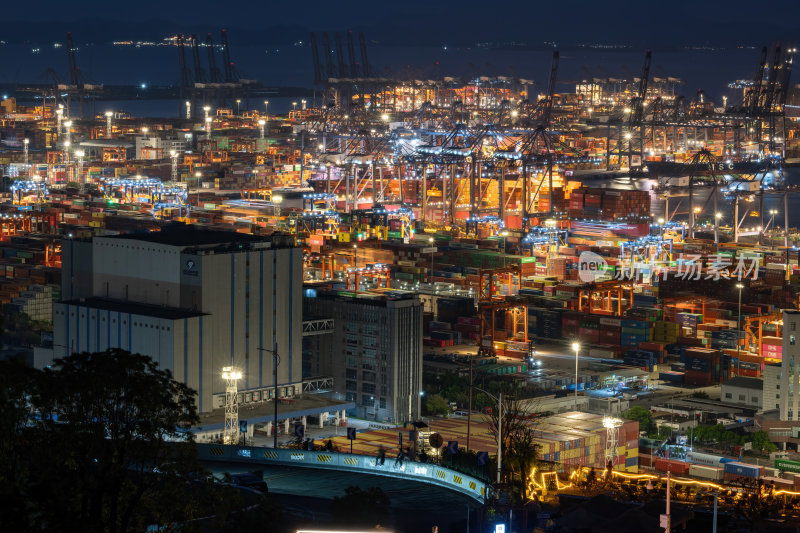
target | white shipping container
[{"x": 706, "y": 472}]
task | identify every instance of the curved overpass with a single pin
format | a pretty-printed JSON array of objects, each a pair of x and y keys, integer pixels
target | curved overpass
[{"x": 362, "y": 464}]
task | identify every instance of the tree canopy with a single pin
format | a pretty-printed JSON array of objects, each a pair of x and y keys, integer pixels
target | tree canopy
[{"x": 98, "y": 442}]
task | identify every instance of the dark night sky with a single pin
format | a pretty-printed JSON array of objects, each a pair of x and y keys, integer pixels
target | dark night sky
[{"x": 431, "y": 22}]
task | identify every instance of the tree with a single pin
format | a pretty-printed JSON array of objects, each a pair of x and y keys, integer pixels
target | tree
[
  {"x": 641, "y": 415},
  {"x": 436, "y": 405},
  {"x": 359, "y": 507},
  {"x": 520, "y": 451},
  {"x": 96, "y": 426},
  {"x": 760, "y": 440}
]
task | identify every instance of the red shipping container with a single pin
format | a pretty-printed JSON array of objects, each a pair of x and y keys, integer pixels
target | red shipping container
[{"x": 675, "y": 467}]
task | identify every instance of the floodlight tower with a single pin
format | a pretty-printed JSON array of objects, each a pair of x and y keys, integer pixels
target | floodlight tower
[
  {"x": 109, "y": 116},
  {"x": 174, "y": 156},
  {"x": 231, "y": 375},
  {"x": 612, "y": 426}
]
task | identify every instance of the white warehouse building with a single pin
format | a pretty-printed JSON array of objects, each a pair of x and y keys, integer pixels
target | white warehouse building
[{"x": 195, "y": 300}]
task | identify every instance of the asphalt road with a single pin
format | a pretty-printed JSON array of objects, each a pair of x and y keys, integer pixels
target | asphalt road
[{"x": 306, "y": 494}]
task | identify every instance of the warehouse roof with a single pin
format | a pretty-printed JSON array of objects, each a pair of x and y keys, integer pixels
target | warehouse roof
[
  {"x": 743, "y": 382},
  {"x": 135, "y": 308}
]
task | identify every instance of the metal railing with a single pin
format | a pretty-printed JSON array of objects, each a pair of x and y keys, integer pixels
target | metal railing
[{"x": 365, "y": 464}]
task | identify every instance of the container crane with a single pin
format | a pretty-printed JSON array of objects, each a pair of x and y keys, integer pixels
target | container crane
[
  {"x": 186, "y": 75},
  {"x": 352, "y": 55},
  {"x": 213, "y": 72},
  {"x": 366, "y": 71},
  {"x": 315, "y": 59},
  {"x": 329, "y": 65},
  {"x": 199, "y": 72},
  {"x": 230, "y": 69},
  {"x": 343, "y": 73}
]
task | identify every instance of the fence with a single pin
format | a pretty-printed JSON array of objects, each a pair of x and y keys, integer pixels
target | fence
[{"x": 412, "y": 471}]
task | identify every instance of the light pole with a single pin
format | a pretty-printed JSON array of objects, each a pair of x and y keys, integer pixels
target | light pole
[
  {"x": 208, "y": 127},
  {"x": 499, "y": 401},
  {"x": 109, "y": 115},
  {"x": 59, "y": 116},
  {"x": 25, "y": 144},
  {"x": 276, "y": 360},
  {"x": 68, "y": 131},
  {"x": 238, "y": 103},
  {"x": 206, "y": 109},
  {"x": 430, "y": 241},
  {"x": 188, "y": 110},
  {"x": 294, "y": 106},
  {"x": 355, "y": 256},
  {"x": 303, "y": 101},
  {"x": 262, "y": 123},
  {"x": 739, "y": 286},
  {"x": 577, "y": 348}
]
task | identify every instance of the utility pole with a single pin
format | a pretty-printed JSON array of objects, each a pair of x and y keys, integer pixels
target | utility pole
[{"x": 276, "y": 361}]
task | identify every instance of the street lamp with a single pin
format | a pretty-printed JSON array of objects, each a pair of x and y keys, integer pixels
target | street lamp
[
  {"x": 499, "y": 401},
  {"x": 430, "y": 241},
  {"x": 355, "y": 257},
  {"x": 188, "y": 110},
  {"x": 577, "y": 347},
  {"x": 294, "y": 105},
  {"x": 238, "y": 102},
  {"x": 276, "y": 360},
  {"x": 206, "y": 109},
  {"x": 262, "y": 123},
  {"x": 739, "y": 286},
  {"x": 303, "y": 101}
]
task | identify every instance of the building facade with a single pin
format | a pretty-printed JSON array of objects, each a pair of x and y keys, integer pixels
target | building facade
[
  {"x": 790, "y": 374},
  {"x": 374, "y": 353},
  {"x": 194, "y": 300},
  {"x": 744, "y": 391}
]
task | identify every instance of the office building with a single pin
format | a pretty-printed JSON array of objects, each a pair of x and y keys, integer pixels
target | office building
[
  {"x": 374, "y": 353},
  {"x": 195, "y": 300}
]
